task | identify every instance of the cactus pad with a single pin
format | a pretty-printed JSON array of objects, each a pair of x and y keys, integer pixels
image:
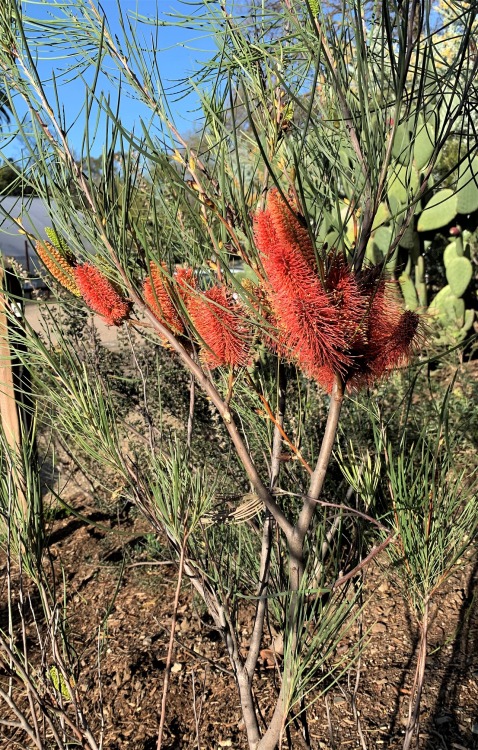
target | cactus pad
[
  {"x": 467, "y": 187},
  {"x": 458, "y": 273},
  {"x": 439, "y": 211},
  {"x": 424, "y": 142},
  {"x": 408, "y": 291}
]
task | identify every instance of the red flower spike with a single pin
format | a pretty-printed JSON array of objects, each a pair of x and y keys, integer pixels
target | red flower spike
[
  {"x": 186, "y": 281},
  {"x": 346, "y": 295},
  {"x": 101, "y": 295},
  {"x": 309, "y": 321},
  {"x": 396, "y": 351},
  {"x": 158, "y": 295},
  {"x": 287, "y": 228},
  {"x": 325, "y": 377},
  {"x": 336, "y": 322},
  {"x": 221, "y": 325}
]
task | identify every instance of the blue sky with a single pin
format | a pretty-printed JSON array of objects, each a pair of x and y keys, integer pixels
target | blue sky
[{"x": 181, "y": 53}]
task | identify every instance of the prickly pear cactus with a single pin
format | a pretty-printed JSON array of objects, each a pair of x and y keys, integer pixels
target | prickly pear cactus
[{"x": 452, "y": 317}]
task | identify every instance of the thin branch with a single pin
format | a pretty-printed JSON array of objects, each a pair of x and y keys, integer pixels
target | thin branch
[
  {"x": 192, "y": 392},
  {"x": 416, "y": 693},
  {"x": 22, "y": 720},
  {"x": 320, "y": 471},
  {"x": 208, "y": 386},
  {"x": 375, "y": 551},
  {"x": 169, "y": 657}
]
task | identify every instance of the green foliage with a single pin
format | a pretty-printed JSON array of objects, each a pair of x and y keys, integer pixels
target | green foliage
[
  {"x": 418, "y": 479},
  {"x": 435, "y": 512},
  {"x": 60, "y": 244},
  {"x": 59, "y": 683},
  {"x": 409, "y": 291}
]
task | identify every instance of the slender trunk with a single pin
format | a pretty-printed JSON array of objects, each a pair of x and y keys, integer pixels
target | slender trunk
[
  {"x": 296, "y": 547},
  {"x": 169, "y": 658},
  {"x": 416, "y": 695}
]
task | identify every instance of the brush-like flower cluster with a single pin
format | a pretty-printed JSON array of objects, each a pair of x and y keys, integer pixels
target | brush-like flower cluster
[
  {"x": 329, "y": 320},
  {"x": 217, "y": 321},
  {"x": 83, "y": 280},
  {"x": 317, "y": 312},
  {"x": 101, "y": 294}
]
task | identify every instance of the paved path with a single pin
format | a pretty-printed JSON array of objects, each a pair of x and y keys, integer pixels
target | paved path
[{"x": 41, "y": 316}]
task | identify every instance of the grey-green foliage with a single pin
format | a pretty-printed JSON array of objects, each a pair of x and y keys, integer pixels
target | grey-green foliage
[
  {"x": 22, "y": 533},
  {"x": 429, "y": 485},
  {"x": 435, "y": 511}
]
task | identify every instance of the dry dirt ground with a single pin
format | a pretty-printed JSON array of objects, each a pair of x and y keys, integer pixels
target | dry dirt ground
[{"x": 117, "y": 591}]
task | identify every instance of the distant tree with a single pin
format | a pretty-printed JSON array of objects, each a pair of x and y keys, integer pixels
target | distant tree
[
  {"x": 12, "y": 182},
  {"x": 4, "y": 108}
]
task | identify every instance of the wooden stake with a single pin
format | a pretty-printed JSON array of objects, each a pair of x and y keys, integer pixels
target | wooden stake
[{"x": 9, "y": 416}]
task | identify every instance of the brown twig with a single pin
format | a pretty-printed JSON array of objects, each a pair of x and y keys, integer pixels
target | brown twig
[
  {"x": 192, "y": 395},
  {"x": 416, "y": 692},
  {"x": 282, "y": 433},
  {"x": 375, "y": 551},
  {"x": 169, "y": 658}
]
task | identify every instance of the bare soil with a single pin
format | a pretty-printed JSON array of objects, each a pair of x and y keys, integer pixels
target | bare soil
[{"x": 120, "y": 606}]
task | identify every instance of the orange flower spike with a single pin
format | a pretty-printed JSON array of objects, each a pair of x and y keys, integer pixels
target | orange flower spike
[
  {"x": 335, "y": 321},
  {"x": 287, "y": 227},
  {"x": 158, "y": 295},
  {"x": 222, "y": 327},
  {"x": 347, "y": 297},
  {"x": 186, "y": 282},
  {"x": 307, "y": 318},
  {"x": 101, "y": 295},
  {"x": 58, "y": 266}
]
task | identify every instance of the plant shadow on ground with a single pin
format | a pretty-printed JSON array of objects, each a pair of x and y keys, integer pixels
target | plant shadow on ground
[{"x": 462, "y": 660}]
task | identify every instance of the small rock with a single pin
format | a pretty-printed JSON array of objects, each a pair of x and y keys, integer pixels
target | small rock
[
  {"x": 177, "y": 667},
  {"x": 379, "y": 627}
]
